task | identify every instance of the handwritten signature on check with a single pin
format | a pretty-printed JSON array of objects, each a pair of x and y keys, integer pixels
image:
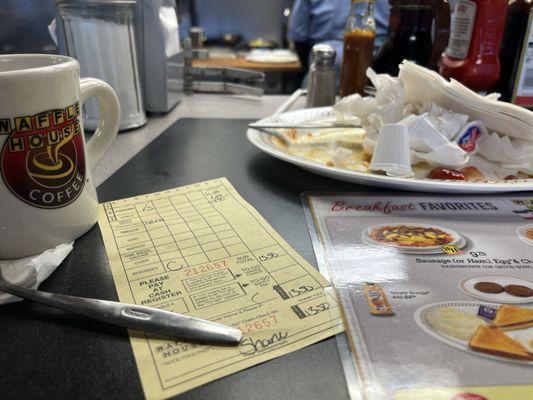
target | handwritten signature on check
[{"x": 250, "y": 346}]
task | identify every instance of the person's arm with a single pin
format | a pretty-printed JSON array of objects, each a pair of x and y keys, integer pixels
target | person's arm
[
  {"x": 299, "y": 30},
  {"x": 299, "y": 21},
  {"x": 381, "y": 16}
]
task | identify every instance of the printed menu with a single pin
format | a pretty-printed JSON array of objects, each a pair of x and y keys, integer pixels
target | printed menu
[
  {"x": 437, "y": 292},
  {"x": 201, "y": 250}
]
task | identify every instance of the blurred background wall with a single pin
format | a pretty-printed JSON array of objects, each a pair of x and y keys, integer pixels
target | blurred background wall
[
  {"x": 23, "y": 27},
  {"x": 248, "y": 18}
]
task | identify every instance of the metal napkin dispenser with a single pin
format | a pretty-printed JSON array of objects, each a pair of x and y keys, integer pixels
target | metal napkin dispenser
[
  {"x": 165, "y": 68},
  {"x": 160, "y": 54},
  {"x": 91, "y": 32},
  {"x": 166, "y": 64}
]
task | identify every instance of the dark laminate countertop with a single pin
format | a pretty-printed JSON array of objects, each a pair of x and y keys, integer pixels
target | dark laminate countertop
[{"x": 46, "y": 353}]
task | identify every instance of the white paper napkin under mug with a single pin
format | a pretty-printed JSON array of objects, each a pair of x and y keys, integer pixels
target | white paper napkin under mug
[{"x": 30, "y": 272}]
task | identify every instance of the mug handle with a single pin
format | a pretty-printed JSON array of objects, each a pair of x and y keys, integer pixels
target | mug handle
[{"x": 107, "y": 128}]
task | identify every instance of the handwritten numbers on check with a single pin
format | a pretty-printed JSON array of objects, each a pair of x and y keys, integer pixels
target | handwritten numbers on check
[
  {"x": 317, "y": 309},
  {"x": 300, "y": 290},
  {"x": 259, "y": 285},
  {"x": 267, "y": 256},
  {"x": 214, "y": 196}
]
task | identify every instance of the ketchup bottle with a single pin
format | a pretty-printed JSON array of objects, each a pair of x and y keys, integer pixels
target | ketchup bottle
[{"x": 474, "y": 45}]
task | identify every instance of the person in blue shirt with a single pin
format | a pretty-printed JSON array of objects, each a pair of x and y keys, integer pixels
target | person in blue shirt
[{"x": 324, "y": 21}]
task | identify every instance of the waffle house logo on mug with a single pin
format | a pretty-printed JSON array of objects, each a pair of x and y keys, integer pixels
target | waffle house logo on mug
[{"x": 42, "y": 159}]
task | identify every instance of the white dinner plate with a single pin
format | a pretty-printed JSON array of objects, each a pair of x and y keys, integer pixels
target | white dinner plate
[
  {"x": 272, "y": 56},
  {"x": 264, "y": 143},
  {"x": 467, "y": 307},
  {"x": 467, "y": 286},
  {"x": 457, "y": 241}
]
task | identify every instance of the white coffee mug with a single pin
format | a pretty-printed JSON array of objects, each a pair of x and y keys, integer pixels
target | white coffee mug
[{"x": 47, "y": 194}]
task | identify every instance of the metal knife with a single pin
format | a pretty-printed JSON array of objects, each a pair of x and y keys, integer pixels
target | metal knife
[{"x": 132, "y": 316}]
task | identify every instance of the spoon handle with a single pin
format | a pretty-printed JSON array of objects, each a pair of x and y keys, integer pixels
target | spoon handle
[{"x": 132, "y": 316}]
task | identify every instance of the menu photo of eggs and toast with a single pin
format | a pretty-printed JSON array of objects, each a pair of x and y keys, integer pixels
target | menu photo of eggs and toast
[{"x": 437, "y": 292}]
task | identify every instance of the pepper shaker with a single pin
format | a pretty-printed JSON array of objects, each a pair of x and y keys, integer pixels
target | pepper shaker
[{"x": 321, "y": 83}]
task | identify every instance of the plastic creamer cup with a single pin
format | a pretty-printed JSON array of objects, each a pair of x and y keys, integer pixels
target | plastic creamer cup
[
  {"x": 392, "y": 153},
  {"x": 423, "y": 135}
]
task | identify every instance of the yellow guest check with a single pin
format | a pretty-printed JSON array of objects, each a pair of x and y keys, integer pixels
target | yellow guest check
[{"x": 201, "y": 250}]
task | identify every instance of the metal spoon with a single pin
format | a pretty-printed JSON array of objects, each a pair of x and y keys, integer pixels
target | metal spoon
[{"x": 132, "y": 316}]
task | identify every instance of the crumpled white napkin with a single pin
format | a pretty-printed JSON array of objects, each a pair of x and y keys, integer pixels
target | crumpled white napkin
[
  {"x": 29, "y": 272},
  {"x": 435, "y": 130}
]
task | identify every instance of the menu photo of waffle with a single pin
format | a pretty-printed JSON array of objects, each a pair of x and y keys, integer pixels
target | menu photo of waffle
[
  {"x": 501, "y": 332},
  {"x": 525, "y": 233},
  {"x": 414, "y": 238}
]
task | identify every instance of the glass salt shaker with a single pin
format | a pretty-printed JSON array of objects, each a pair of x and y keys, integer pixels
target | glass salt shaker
[{"x": 321, "y": 83}]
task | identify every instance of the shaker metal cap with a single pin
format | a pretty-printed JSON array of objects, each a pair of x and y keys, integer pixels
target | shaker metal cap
[
  {"x": 323, "y": 54},
  {"x": 93, "y": 2}
]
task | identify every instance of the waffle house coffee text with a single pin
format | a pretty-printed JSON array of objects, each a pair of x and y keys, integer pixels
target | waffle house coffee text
[{"x": 42, "y": 160}]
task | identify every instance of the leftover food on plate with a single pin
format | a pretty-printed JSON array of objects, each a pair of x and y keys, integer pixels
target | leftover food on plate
[
  {"x": 529, "y": 233},
  {"x": 489, "y": 287},
  {"x": 494, "y": 341},
  {"x": 446, "y": 173},
  {"x": 443, "y": 144},
  {"x": 410, "y": 236},
  {"x": 512, "y": 318},
  {"x": 464, "y": 174},
  {"x": 454, "y": 323},
  {"x": 340, "y": 148}
]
